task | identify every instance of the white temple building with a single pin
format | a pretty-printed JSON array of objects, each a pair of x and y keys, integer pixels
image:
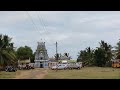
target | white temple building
[{"x": 41, "y": 56}]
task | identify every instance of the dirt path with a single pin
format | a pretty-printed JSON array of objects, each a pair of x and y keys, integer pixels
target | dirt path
[{"x": 37, "y": 73}]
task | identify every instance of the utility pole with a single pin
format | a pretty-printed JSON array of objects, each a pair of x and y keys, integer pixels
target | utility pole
[
  {"x": 56, "y": 48},
  {"x": 56, "y": 52},
  {"x": 44, "y": 51}
]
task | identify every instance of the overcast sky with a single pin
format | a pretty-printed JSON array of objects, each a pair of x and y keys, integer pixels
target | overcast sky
[{"x": 73, "y": 30}]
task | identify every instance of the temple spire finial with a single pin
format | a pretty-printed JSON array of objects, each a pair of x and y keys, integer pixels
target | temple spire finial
[{"x": 41, "y": 40}]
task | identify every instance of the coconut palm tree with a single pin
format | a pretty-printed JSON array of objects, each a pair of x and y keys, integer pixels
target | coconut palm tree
[
  {"x": 86, "y": 56},
  {"x": 7, "y": 53},
  {"x": 103, "y": 54},
  {"x": 117, "y": 50}
]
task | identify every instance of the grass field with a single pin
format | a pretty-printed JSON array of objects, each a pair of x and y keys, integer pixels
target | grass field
[
  {"x": 8, "y": 75},
  {"x": 85, "y": 73},
  {"x": 37, "y": 73}
]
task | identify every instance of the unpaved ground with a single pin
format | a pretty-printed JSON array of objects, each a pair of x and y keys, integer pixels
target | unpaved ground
[{"x": 37, "y": 73}]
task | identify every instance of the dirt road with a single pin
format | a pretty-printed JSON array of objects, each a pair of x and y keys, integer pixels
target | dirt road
[{"x": 37, "y": 73}]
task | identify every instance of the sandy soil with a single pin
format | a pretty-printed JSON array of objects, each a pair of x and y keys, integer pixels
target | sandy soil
[{"x": 37, "y": 73}]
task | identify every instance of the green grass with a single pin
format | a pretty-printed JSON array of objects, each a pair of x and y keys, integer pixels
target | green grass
[
  {"x": 8, "y": 75},
  {"x": 85, "y": 73}
]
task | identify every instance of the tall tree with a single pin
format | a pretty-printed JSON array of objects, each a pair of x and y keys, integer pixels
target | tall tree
[
  {"x": 99, "y": 57},
  {"x": 7, "y": 53},
  {"x": 117, "y": 54},
  {"x": 57, "y": 56},
  {"x": 108, "y": 50},
  {"x": 32, "y": 58},
  {"x": 86, "y": 56},
  {"x": 24, "y": 53},
  {"x": 103, "y": 54}
]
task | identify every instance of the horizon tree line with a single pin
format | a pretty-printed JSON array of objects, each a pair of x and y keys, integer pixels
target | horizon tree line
[{"x": 100, "y": 56}]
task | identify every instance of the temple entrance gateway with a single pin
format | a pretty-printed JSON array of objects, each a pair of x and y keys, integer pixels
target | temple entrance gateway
[
  {"x": 41, "y": 65},
  {"x": 41, "y": 56}
]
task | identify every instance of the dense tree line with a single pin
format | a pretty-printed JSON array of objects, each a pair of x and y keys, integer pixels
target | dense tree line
[{"x": 101, "y": 56}]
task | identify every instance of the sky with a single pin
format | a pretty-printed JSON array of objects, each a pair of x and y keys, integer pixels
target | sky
[{"x": 73, "y": 30}]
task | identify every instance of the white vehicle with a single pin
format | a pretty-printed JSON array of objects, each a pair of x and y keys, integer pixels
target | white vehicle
[
  {"x": 74, "y": 65},
  {"x": 54, "y": 67},
  {"x": 77, "y": 65},
  {"x": 59, "y": 66}
]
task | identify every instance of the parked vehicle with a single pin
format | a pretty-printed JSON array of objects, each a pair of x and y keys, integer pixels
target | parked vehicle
[
  {"x": 54, "y": 67},
  {"x": 74, "y": 65},
  {"x": 31, "y": 66},
  {"x": 10, "y": 69},
  {"x": 25, "y": 67},
  {"x": 19, "y": 67},
  {"x": 59, "y": 66}
]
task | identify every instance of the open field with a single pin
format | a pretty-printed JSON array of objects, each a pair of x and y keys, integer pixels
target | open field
[
  {"x": 24, "y": 74},
  {"x": 8, "y": 75},
  {"x": 37, "y": 73},
  {"x": 84, "y": 73}
]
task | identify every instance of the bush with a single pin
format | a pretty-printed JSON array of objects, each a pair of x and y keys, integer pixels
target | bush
[{"x": 108, "y": 64}]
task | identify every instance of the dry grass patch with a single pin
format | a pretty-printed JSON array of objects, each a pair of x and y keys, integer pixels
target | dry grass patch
[{"x": 85, "y": 73}]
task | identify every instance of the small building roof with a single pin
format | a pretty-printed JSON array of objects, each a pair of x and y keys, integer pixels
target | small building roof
[
  {"x": 64, "y": 61},
  {"x": 72, "y": 60},
  {"x": 23, "y": 61}
]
